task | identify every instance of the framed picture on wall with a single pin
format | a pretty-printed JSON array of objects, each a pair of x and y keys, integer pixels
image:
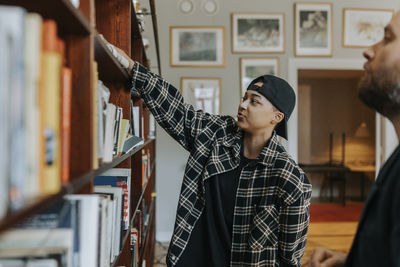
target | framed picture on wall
[
  {"x": 313, "y": 29},
  {"x": 258, "y": 32},
  {"x": 251, "y": 68},
  {"x": 364, "y": 27},
  {"x": 202, "y": 93},
  {"x": 197, "y": 46}
]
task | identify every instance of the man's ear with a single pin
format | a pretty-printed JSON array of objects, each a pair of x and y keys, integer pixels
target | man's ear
[{"x": 278, "y": 117}]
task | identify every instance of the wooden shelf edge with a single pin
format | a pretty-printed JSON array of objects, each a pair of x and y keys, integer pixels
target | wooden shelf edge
[
  {"x": 59, "y": 10},
  {"x": 14, "y": 217},
  {"x": 126, "y": 235},
  {"x": 74, "y": 186},
  {"x": 121, "y": 158},
  {"x": 108, "y": 67},
  {"x": 43, "y": 202},
  {"x": 147, "y": 234}
]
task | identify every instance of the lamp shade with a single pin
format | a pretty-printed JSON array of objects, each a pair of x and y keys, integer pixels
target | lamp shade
[{"x": 362, "y": 131}]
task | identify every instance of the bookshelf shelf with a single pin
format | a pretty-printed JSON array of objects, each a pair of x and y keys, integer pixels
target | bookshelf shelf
[
  {"x": 61, "y": 11},
  {"x": 37, "y": 205},
  {"x": 118, "y": 160},
  {"x": 79, "y": 48},
  {"x": 108, "y": 67}
]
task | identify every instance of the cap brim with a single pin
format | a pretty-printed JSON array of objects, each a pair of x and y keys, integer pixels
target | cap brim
[{"x": 281, "y": 129}]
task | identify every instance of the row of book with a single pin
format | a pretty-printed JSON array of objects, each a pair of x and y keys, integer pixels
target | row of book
[
  {"x": 114, "y": 135},
  {"x": 35, "y": 111},
  {"x": 35, "y": 108},
  {"x": 80, "y": 230}
]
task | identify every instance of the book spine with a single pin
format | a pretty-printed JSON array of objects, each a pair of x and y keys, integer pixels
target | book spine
[
  {"x": 66, "y": 95},
  {"x": 49, "y": 105}
]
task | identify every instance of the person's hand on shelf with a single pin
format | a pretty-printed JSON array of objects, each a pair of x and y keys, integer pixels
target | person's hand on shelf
[
  {"x": 126, "y": 57},
  {"x": 322, "y": 257}
]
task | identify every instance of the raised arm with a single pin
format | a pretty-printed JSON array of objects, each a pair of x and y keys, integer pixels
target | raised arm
[{"x": 166, "y": 103}]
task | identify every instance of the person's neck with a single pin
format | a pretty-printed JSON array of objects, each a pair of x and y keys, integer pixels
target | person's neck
[
  {"x": 253, "y": 144},
  {"x": 396, "y": 123}
]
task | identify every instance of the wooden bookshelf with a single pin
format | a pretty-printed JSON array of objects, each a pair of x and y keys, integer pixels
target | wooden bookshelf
[{"x": 80, "y": 28}]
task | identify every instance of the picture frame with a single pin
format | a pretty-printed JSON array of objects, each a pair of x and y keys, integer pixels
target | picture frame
[
  {"x": 363, "y": 27},
  {"x": 203, "y": 93},
  {"x": 197, "y": 46},
  {"x": 251, "y": 68},
  {"x": 258, "y": 32},
  {"x": 313, "y": 29}
]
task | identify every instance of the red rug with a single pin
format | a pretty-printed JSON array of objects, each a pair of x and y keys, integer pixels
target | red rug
[{"x": 333, "y": 212}]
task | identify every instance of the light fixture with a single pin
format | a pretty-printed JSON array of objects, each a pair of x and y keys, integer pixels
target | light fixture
[
  {"x": 362, "y": 131},
  {"x": 209, "y": 7},
  {"x": 186, "y": 6}
]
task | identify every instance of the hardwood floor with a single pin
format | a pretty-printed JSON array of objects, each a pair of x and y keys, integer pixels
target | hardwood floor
[{"x": 333, "y": 235}]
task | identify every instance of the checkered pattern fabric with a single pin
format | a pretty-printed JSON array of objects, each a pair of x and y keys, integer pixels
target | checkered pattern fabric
[{"x": 271, "y": 213}]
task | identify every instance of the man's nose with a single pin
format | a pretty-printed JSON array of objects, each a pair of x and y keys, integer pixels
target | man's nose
[{"x": 368, "y": 54}]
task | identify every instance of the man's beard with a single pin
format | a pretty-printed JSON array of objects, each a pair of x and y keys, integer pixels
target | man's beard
[{"x": 381, "y": 92}]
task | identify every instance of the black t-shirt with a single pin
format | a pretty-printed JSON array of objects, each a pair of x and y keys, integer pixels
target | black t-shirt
[{"x": 211, "y": 239}]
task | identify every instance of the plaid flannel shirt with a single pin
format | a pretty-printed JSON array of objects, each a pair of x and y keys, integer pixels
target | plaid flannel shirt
[{"x": 271, "y": 213}]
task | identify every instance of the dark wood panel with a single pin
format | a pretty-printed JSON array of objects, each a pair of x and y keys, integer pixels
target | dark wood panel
[
  {"x": 138, "y": 53},
  {"x": 115, "y": 25},
  {"x": 80, "y": 52},
  {"x": 124, "y": 258},
  {"x": 69, "y": 19}
]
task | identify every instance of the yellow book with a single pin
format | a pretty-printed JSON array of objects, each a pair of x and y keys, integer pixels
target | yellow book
[
  {"x": 49, "y": 106},
  {"x": 95, "y": 157}
]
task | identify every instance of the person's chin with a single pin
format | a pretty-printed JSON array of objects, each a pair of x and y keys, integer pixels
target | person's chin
[{"x": 241, "y": 124}]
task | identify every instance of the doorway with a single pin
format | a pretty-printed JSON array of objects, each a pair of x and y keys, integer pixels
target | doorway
[{"x": 336, "y": 139}]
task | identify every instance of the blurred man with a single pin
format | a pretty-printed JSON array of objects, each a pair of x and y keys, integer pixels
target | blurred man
[{"x": 377, "y": 242}]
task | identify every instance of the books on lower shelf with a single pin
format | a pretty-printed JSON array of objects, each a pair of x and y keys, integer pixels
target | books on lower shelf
[{"x": 81, "y": 230}]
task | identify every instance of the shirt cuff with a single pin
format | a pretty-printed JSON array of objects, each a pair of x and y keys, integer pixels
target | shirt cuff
[{"x": 139, "y": 78}]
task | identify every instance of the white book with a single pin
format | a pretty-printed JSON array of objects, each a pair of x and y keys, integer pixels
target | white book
[
  {"x": 33, "y": 44},
  {"x": 4, "y": 115},
  {"x": 18, "y": 243},
  {"x": 109, "y": 133},
  {"x": 89, "y": 228},
  {"x": 104, "y": 245},
  {"x": 136, "y": 120},
  {"x": 12, "y": 20},
  {"x": 42, "y": 263},
  {"x": 103, "y": 95},
  {"x": 117, "y": 196},
  {"x": 110, "y": 230},
  {"x": 12, "y": 263},
  {"x": 152, "y": 126}
]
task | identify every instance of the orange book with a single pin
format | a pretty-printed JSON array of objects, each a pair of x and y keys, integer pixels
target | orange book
[
  {"x": 66, "y": 95},
  {"x": 49, "y": 108}
]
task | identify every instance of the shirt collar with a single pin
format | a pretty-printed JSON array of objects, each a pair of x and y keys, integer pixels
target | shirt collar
[{"x": 268, "y": 153}]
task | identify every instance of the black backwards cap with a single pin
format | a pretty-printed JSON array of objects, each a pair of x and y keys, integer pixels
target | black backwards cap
[{"x": 280, "y": 94}]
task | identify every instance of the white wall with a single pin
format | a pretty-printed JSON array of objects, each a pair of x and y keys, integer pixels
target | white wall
[{"x": 170, "y": 157}]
